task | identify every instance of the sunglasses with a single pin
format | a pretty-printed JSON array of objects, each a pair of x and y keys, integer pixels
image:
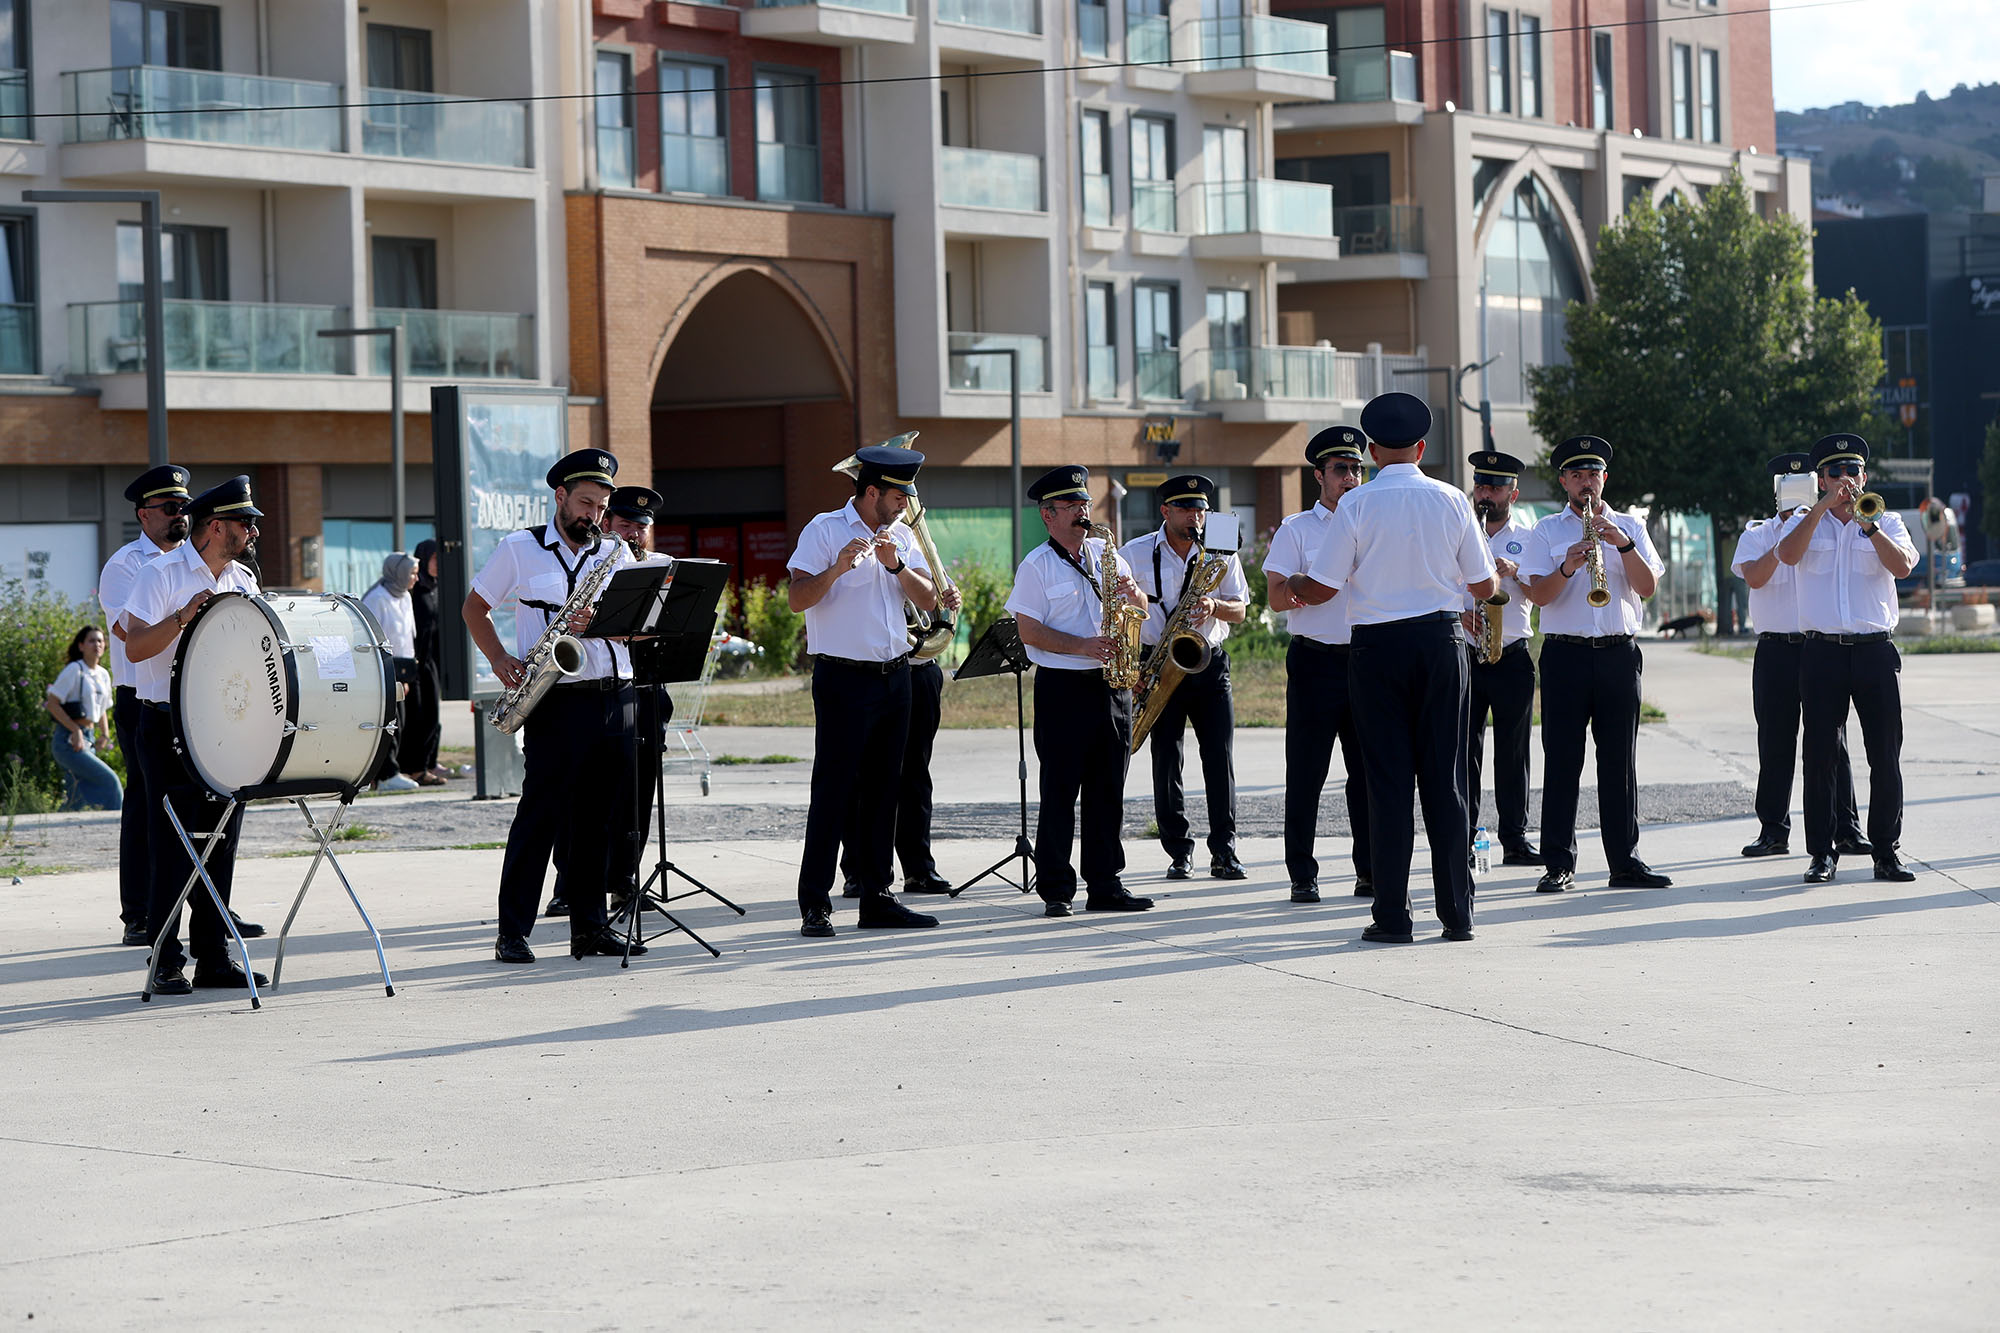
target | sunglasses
[
  {"x": 1348, "y": 470},
  {"x": 1069, "y": 507},
  {"x": 1841, "y": 470},
  {"x": 171, "y": 508}
]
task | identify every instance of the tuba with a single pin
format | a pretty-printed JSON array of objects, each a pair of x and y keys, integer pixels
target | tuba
[
  {"x": 1182, "y": 650},
  {"x": 1122, "y": 621},
  {"x": 931, "y": 632}
]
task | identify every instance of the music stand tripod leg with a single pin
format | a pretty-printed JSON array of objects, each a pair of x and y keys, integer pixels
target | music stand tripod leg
[
  {"x": 200, "y": 860},
  {"x": 1023, "y": 849},
  {"x": 662, "y": 867}
]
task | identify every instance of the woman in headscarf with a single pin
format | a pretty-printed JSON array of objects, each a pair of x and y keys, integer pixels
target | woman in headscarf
[
  {"x": 389, "y": 602},
  {"x": 421, "y": 709}
]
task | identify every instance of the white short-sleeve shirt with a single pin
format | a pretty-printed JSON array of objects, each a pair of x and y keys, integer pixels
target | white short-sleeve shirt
[
  {"x": 861, "y": 617},
  {"x": 1051, "y": 591},
  {"x": 81, "y": 683},
  {"x": 1843, "y": 586},
  {"x": 164, "y": 587},
  {"x": 536, "y": 568},
  {"x": 114, "y": 585},
  {"x": 1408, "y": 545},
  {"x": 1774, "y": 608},
  {"x": 1510, "y": 543},
  {"x": 1293, "y": 547},
  {"x": 1161, "y": 574},
  {"x": 1571, "y": 611},
  {"x": 397, "y": 617}
]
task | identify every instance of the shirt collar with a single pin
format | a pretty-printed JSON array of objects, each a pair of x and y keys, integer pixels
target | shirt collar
[
  {"x": 552, "y": 540},
  {"x": 852, "y": 516},
  {"x": 149, "y": 545},
  {"x": 1398, "y": 470}
]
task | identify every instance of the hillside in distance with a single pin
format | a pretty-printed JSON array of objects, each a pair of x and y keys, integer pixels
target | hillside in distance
[{"x": 1928, "y": 155}]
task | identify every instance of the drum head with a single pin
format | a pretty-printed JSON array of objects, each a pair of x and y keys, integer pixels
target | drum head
[{"x": 232, "y": 693}]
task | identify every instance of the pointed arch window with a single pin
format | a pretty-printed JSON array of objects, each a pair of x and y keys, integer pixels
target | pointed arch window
[{"x": 1531, "y": 275}]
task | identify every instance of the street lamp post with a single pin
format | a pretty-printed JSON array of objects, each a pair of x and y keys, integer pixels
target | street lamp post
[{"x": 400, "y": 502}]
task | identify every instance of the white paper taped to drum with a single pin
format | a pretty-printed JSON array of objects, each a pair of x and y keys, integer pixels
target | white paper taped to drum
[{"x": 333, "y": 656}]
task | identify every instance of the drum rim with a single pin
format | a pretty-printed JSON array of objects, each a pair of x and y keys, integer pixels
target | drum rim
[{"x": 179, "y": 714}]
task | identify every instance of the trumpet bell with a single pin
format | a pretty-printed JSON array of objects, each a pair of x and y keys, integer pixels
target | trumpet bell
[{"x": 1868, "y": 506}]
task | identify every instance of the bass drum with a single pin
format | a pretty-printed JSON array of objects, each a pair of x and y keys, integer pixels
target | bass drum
[{"x": 283, "y": 696}]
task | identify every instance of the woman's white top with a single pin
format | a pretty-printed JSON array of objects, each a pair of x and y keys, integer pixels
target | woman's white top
[{"x": 81, "y": 683}]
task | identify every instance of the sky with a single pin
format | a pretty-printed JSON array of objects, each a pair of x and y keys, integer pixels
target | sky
[{"x": 1881, "y": 52}]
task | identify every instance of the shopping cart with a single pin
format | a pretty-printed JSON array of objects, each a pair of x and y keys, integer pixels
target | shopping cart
[{"x": 690, "y": 702}]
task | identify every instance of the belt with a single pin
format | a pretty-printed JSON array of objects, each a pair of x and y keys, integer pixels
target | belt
[
  {"x": 1320, "y": 645},
  {"x": 1775, "y": 637},
  {"x": 1602, "y": 641},
  {"x": 1879, "y": 636},
  {"x": 1518, "y": 646},
  {"x": 887, "y": 668},
  {"x": 125, "y": 690},
  {"x": 602, "y": 683},
  {"x": 157, "y": 706}
]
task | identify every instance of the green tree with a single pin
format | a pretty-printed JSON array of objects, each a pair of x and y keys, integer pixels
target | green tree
[
  {"x": 1989, "y": 482},
  {"x": 1706, "y": 353}
]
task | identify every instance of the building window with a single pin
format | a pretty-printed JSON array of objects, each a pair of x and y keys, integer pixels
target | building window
[
  {"x": 1357, "y": 38},
  {"x": 1499, "y": 64},
  {"x": 1093, "y": 28},
  {"x": 1682, "y": 59},
  {"x": 1601, "y": 81},
  {"x": 1153, "y": 173},
  {"x": 694, "y": 143},
  {"x": 403, "y": 272},
  {"x": 399, "y": 58},
  {"x": 14, "y": 121},
  {"x": 1711, "y": 95},
  {"x": 1100, "y": 336},
  {"x": 194, "y": 262},
  {"x": 1531, "y": 66},
  {"x": 1094, "y": 147},
  {"x": 1147, "y": 39},
  {"x": 156, "y": 32},
  {"x": 19, "y": 344},
  {"x": 1228, "y": 341},
  {"x": 615, "y": 142},
  {"x": 1156, "y": 339},
  {"x": 1531, "y": 276},
  {"x": 1225, "y": 188},
  {"x": 787, "y": 136}
]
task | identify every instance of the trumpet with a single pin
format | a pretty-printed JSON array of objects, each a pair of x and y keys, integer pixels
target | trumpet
[{"x": 1868, "y": 506}]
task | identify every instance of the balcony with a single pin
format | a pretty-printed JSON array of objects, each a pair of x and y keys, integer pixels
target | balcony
[
  {"x": 987, "y": 30},
  {"x": 14, "y": 122},
  {"x": 1157, "y": 373},
  {"x": 458, "y": 344},
  {"x": 694, "y": 163},
  {"x": 1153, "y": 207},
  {"x": 1022, "y": 16},
  {"x": 967, "y": 372},
  {"x": 1100, "y": 372},
  {"x": 788, "y": 171},
  {"x": 18, "y": 340},
  {"x": 986, "y": 178},
  {"x": 1256, "y": 59},
  {"x": 819, "y": 23},
  {"x": 210, "y": 337},
  {"x": 1264, "y": 220},
  {"x": 200, "y": 106},
  {"x": 1294, "y": 383},
  {"x": 1376, "y": 241},
  {"x": 1371, "y": 88},
  {"x": 434, "y": 127}
]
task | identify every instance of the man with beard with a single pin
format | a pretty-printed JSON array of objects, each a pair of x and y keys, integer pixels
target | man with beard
[
  {"x": 578, "y": 740},
  {"x": 169, "y": 590},
  {"x": 1506, "y": 688}
]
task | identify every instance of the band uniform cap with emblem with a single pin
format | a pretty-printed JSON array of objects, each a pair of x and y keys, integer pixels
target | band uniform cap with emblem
[
  {"x": 1190, "y": 490},
  {"x": 1070, "y": 481},
  {"x": 229, "y": 500},
  {"x": 1842, "y": 448},
  {"x": 1790, "y": 465},
  {"x": 638, "y": 503},
  {"x": 584, "y": 465},
  {"x": 1334, "y": 442},
  {"x": 168, "y": 479},
  {"x": 889, "y": 467},
  {"x": 1490, "y": 467},
  {"x": 1396, "y": 420},
  {"x": 1585, "y": 451}
]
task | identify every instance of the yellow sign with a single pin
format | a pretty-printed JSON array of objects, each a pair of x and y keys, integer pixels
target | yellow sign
[
  {"x": 1160, "y": 432},
  {"x": 1139, "y": 480}
]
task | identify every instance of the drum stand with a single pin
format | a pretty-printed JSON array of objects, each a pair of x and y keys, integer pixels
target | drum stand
[{"x": 325, "y": 837}]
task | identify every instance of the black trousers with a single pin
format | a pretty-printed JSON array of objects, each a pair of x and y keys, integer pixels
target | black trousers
[
  {"x": 1506, "y": 689},
  {"x": 913, "y": 801},
  {"x": 1317, "y": 713},
  {"x": 1083, "y": 743},
  {"x": 417, "y": 742},
  {"x": 1593, "y": 689},
  {"x": 577, "y": 762},
  {"x": 1774, "y": 698},
  {"x": 1870, "y": 675},
  {"x": 169, "y": 779},
  {"x": 1407, "y": 679},
  {"x": 134, "y": 877},
  {"x": 1204, "y": 700},
  {"x": 861, "y": 719},
  {"x": 634, "y": 810}
]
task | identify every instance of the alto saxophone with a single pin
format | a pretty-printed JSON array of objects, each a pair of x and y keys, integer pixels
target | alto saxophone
[
  {"x": 1593, "y": 555},
  {"x": 1490, "y": 645},
  {"x": 1122, "y": 620},
  {"x": 1182, "y": 650},
  {"x": 556, "y": 654}
]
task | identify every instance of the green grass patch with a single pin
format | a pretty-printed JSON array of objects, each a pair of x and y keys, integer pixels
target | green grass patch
[
  {"x": 1650, "y": 713},
  {"x": 757, "y": 759},
  {"x": 1950, "y": 643},
  {"x": 477, "y": 846},
  {"x": 29, "y": 869},
  {"x": 356, "y": 833},
  {"x": 1742, "y": 652}
]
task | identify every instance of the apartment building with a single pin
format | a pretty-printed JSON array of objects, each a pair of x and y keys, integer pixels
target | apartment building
[{"x": 319, "y": 166}]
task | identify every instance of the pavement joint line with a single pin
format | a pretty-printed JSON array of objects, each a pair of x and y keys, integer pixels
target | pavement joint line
[{"x": 259, "y": 1227}]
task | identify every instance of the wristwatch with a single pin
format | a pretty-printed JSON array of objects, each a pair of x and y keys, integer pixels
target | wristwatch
[
  {"x": 1625, "y": 549},
  {"x": 1870, "y": 529},
  {"x": 897, "y": 569}
]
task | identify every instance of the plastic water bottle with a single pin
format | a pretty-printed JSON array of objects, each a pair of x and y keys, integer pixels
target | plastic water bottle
[{"x": 1481, "y": 849}]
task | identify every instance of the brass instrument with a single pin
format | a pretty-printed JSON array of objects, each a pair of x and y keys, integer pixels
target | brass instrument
[
  {"x": 930, "y": 632},
  {"x": 1182, "y": 650},
  {"x": 1593, "y": 555},
  {"x": 1868, "y": 506},
  {"x": 557, "y": 654},
  {"x": 1490, "y": 645},
  {"x": 1122, "y": 620}
]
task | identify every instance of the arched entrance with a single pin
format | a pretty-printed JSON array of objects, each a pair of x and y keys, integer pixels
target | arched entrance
[{"x": 751, "y": 406}]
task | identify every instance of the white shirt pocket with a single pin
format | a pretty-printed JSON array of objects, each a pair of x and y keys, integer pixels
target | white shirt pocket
[{"x": 1822, "y": 554}]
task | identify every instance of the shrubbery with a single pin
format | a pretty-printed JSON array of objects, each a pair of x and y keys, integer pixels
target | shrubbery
[{"x": 36, "y": 626}]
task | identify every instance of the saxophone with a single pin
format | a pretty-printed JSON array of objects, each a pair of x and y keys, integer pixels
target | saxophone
[
  {"x": 1593, "y": 554},
  {"x": 1490, "y": 645},
  {"x": 556, "y": 654},
  {"x": 1122, "y": 620},
  {"x": 1182, "y": 650}
]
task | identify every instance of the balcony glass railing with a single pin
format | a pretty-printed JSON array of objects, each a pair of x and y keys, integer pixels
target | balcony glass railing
[
  {"x": 1380, "y": 229},
  {"x": 1260, "y": 42},
  {"x": 1319, "y": 374},
  {"x": 695, "y": 163},
  {"x": 1148, "y": 40},
  {"x": 14, "y": 122},
  {"x": 439, "y": 128},
  {"x": 200, "y": 106},
  {"x": 1097, "y": 201},
  {"x": 458, "y": 344},
  {"x": 1006, "y": 15},
  {"x": 1100, "y": 372},
  {"x": 985, "y": 178},
  {"x": 224, "y": 337},
  {"x": 1375, "y": 76},
  {"x": 788, "y": 171},
  {"x": 1157, "y": 372},
  {"x": 1153, "y": 206},
  {"x": 18, "y": 340},
  {"x": 876, "y": 6},
  {"x": 616, "y": 150},
  {"x": 1291, "y": 208},
  {"x": 989, "y": 373},
  {"x": 1093, "y": 28}
]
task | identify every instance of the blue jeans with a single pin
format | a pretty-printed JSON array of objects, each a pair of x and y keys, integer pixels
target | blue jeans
[{"x": 90, "y": 781}]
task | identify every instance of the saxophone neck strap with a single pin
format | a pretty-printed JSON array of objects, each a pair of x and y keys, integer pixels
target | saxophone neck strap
[
  {"x": 1077, "y": 563},
  {"x": 1159, "y": 586}
]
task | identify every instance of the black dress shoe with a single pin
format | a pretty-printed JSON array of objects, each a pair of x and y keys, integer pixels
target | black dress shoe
[
  {"x": 1305, "y": 890},
  {"x": 1227, "y": 867},
  {"x": 512, "y": 949},
  {"x": 1377, "y": 935},
  {"x": 1056, "y": 907},
  {"x": 224, "y": 976},
  {"x": 1768, "y": 846},
  {"x": 1891, "y": 869},
  {"x": 249, "y": 930},
  {"x": 1181, "y": 868},
  {"x": 603, "y": 943},
  {"x": 558, "y": 906},
  {"x": 136, "y": 935},
  {"x": 1639, "y": 875},
  {"x": 817, "y": 924},
  {"x": 1457, "y": 936},
  {"x": 1521, "y": 854},
  {"x": 1116, "y": 899},
  {"x": 1820, "y": 871},
  {"x": 1853, "y": 845},
  {"x": 1556, "y": 881},
  {"x": 850, "y": 888},
  {"x": 881, "y": 911},
  {"x": 1364, "y": 887},
  {"x": 930, "y": 883},
  {"x": 172, "y": 981}
]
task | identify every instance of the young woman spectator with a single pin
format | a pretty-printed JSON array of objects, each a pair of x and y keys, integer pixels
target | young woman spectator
[{"x": 80, "y": 702}]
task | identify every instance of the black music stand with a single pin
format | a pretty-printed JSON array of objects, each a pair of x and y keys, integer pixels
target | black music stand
[
  {"x": 668, "y": 609},
  {"x": 999, "y": 653}
]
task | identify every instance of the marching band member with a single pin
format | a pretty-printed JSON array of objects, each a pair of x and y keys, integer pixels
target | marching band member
[
  {"x": 1506, "y": 688},
  {"x": 1848, "y": 567},
  {"x": 169, "y": 590},
  {"x": 850, "y": 574},
  {"x": 1591, "y": 666},
  {"x": 1317, "y": 707},
  {"x": 1083, "y": 727},
  {"x": 1774, "y": 679},
  {"x": 1403, "y": 552},
  {"x": 577, "y": 743},
  {"x": 1203, "y": 698}
]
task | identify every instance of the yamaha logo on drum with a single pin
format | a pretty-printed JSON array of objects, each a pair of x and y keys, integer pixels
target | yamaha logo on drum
[
  {"x": 265, "y": 646},
  {"x": 272, "y": 679}
]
